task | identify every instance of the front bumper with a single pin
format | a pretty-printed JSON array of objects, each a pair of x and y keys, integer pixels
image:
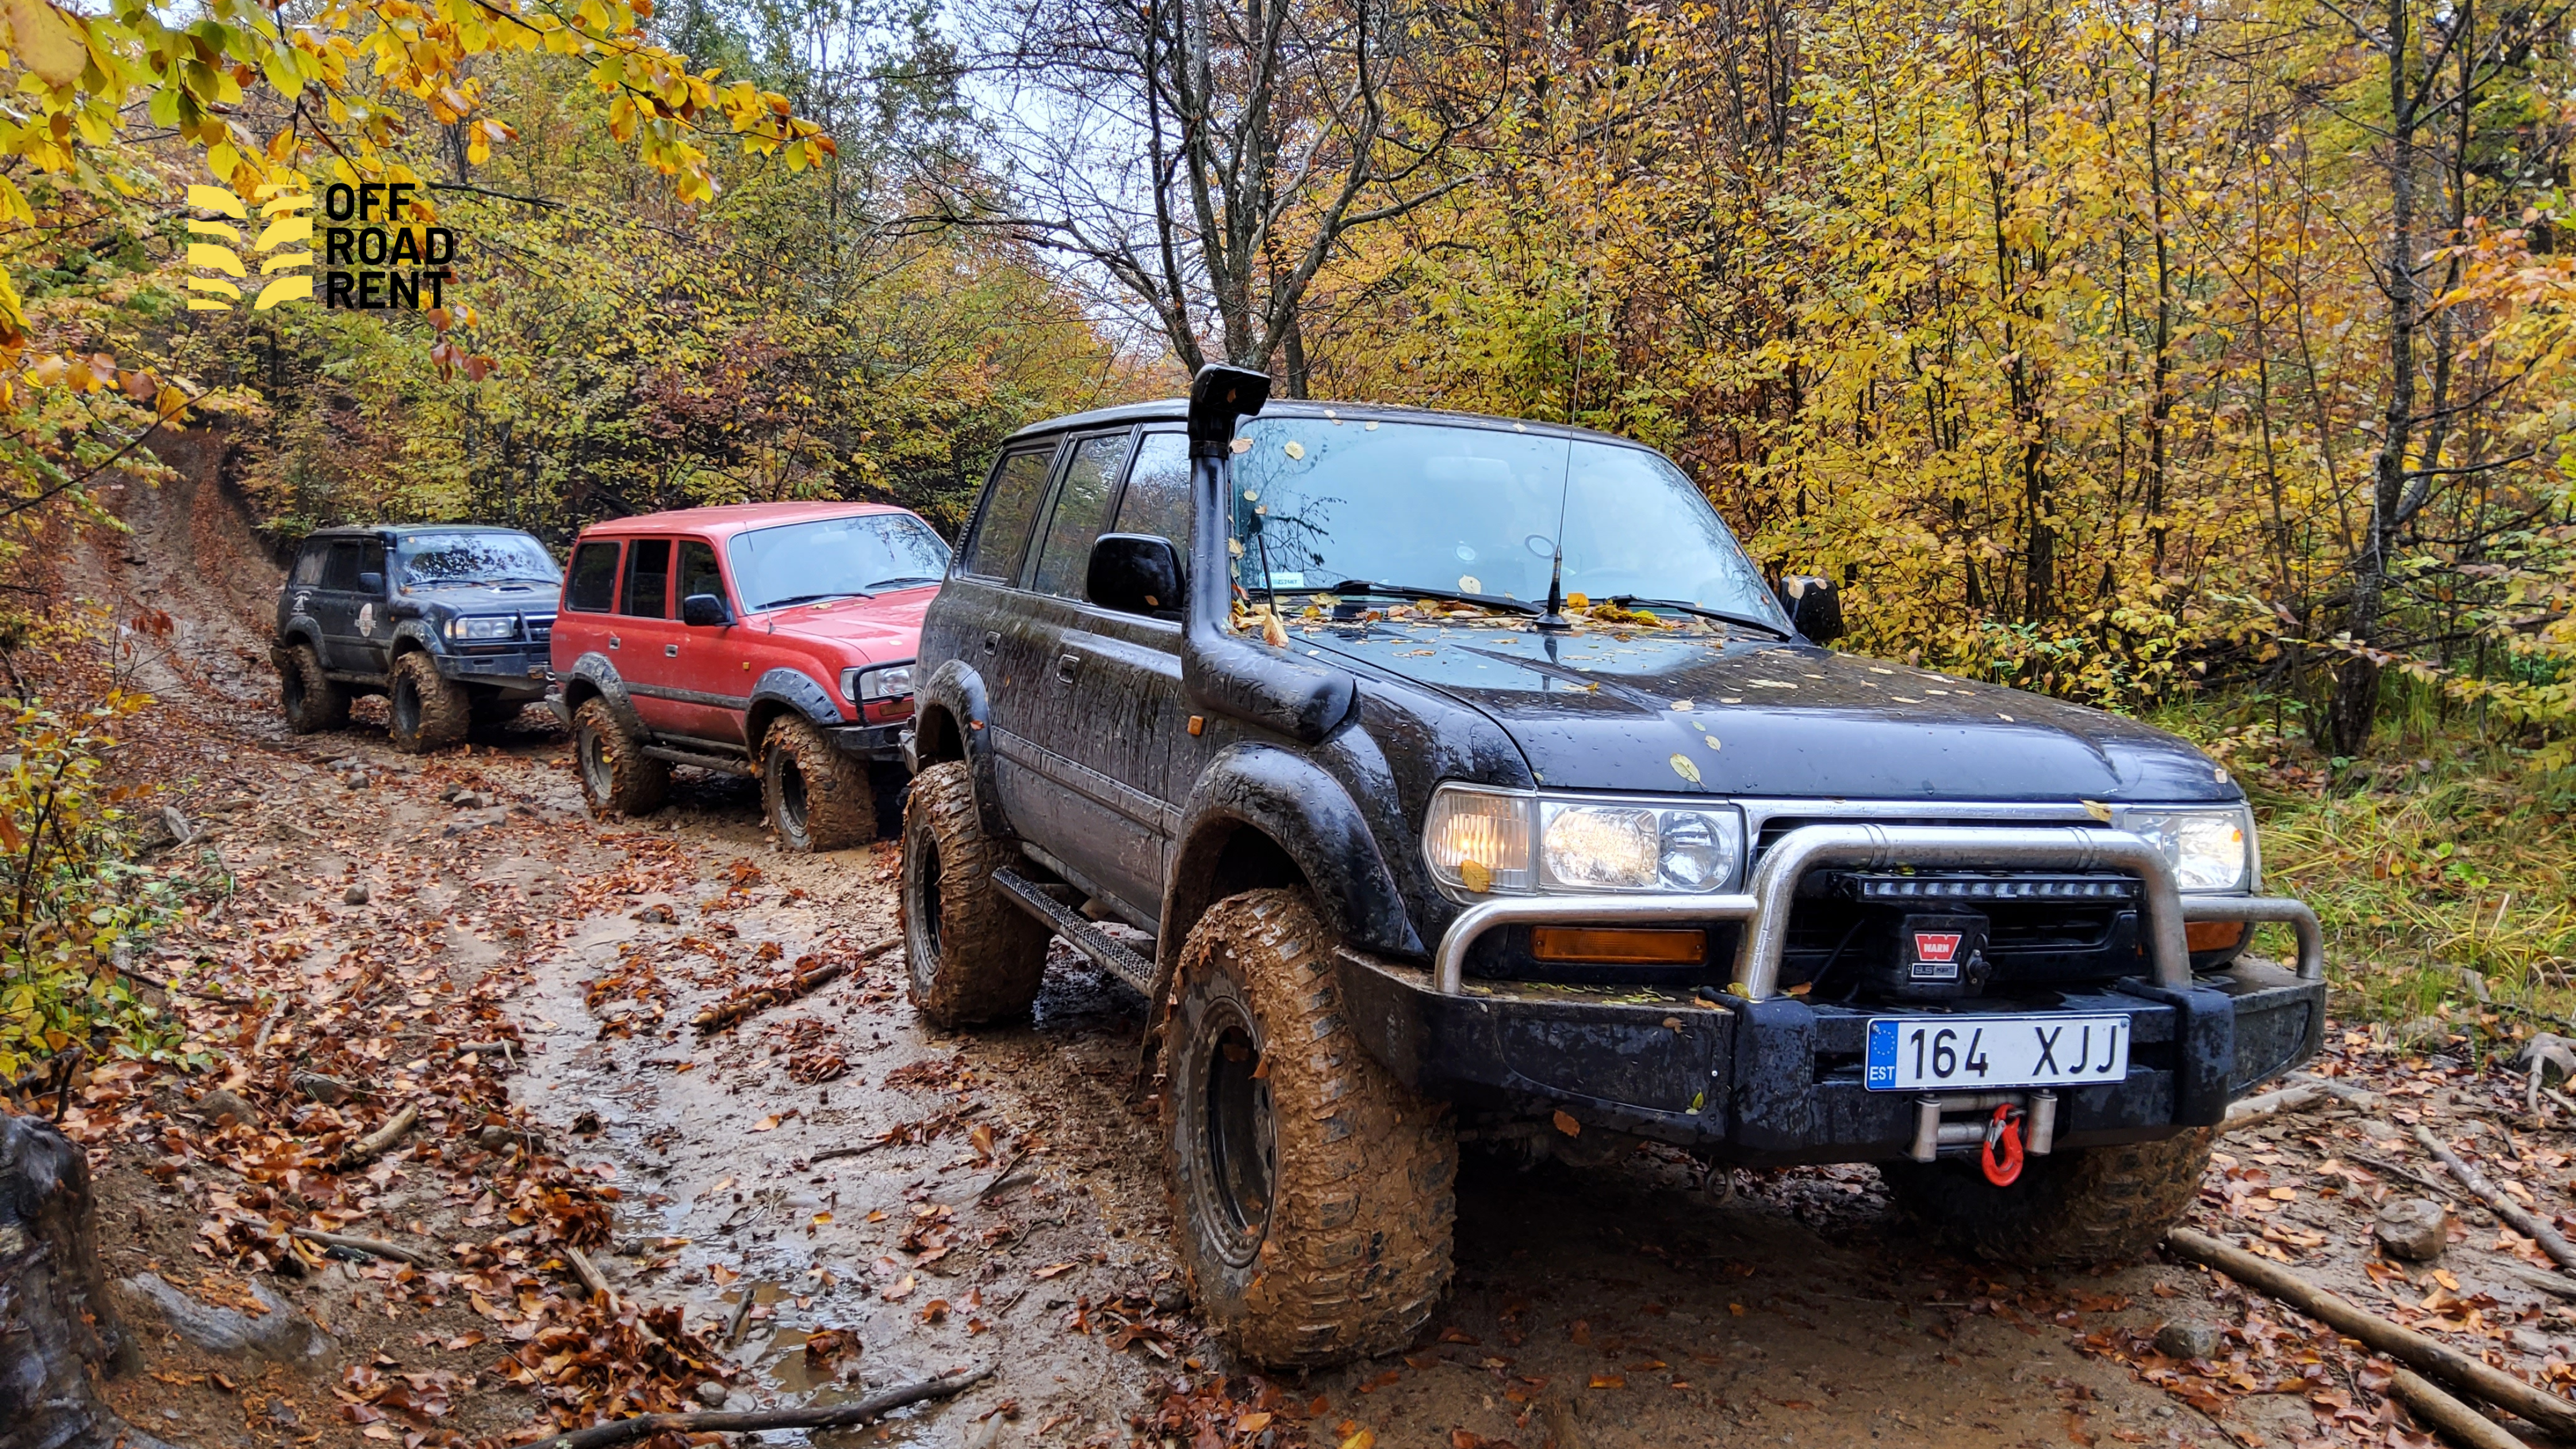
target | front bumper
[
  {"x": 519, "y": 673},
  {"x": 871, "y": 742},
  {"x": 1766, "y": 1077},
  {"x": 1780, "y": 1080}
]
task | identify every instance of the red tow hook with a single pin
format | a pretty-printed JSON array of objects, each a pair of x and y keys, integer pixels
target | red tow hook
[{"x": 2004, "y": 1130}]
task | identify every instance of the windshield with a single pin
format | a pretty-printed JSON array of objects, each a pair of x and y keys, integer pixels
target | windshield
[
  {"x": 833, "y": 558},
  {"x": 1478, "y": 511},
  {"x": 475, "y": 558}
]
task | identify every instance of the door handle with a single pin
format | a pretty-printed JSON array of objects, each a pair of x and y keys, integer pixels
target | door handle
[
  {"x": 1065, "y": 667},
  {"x": 670, "y": 651},
  {"x": 992, "y": 642},
  {"x": 612, "y": 641}
]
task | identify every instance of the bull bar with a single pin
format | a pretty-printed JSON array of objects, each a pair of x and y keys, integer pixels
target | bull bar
[{"x": 1765, "y": 902}]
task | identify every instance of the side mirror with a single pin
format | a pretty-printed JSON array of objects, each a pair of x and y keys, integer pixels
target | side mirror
[
  {"x": 371, "y": 582},
  {"x": 704, "y": 611},
  {"x": 1815, "y": 607},
  {"x": 1135, "y": 573}
]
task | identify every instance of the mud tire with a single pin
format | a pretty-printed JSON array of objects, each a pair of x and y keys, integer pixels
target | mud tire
[
  {"x": 1348, "y": 1251},
  {"x": 972, "y": 954},
  {"x": 423, "y": 710},
  {"x": 306, "y": 696},
  {"x": 2087, "y": 1205},
  {"x": 817, "y": 797},
  {"x": 617, "y": 777}
]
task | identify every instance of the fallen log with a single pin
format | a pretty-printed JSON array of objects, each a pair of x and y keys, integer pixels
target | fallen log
[
  {"x": 376, "y": 1247},
  {"x": 2449, "y": 1417},
  {"x": 733, "y": 1009},
  {"x": 58, "y": 1322},
  {"x": 373, "y": 1145},
  {"x": 2460, "y": 1370},
  {"x": 721, "y": 1421},
  {"x": 2502, "y": 1206}
]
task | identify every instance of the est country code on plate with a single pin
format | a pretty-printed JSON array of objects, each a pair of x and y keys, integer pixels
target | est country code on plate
[{"x": 1964, "y": 1053}]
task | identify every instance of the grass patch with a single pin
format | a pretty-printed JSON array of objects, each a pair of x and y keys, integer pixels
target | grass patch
[{"x": 2461, "y": 855}]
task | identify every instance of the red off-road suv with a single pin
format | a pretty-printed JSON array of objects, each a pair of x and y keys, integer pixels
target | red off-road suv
[{"x": 768, "y": 639}]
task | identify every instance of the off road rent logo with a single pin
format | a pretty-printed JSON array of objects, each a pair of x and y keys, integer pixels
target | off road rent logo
[{"x": 380, "y": 262}]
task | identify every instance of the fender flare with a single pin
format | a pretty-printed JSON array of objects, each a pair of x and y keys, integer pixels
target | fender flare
[
  {"x": 1307, "y": 813},
  {"x": 797, "y": 690},
  {"x": 593, "y": 674},
  {"x": 415, "y": 632},
  {"x": 958, "y": 690},
  {"x": 301, "y": 629},
  {"x": 784, "y": 691}
]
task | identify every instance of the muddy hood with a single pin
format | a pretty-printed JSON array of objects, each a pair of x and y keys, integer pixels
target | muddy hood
[{"x": 1592, "y": 711}]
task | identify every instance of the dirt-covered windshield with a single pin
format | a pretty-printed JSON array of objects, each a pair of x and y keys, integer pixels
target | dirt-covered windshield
[
  {"x": 1321, "y": 503},
  {"x": 476, "y": 558}
]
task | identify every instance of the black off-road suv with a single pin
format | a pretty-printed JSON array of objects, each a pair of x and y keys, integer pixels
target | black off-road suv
[
  {"x": 1441, "y": 777},
  {"x": 448, "y": 621}
]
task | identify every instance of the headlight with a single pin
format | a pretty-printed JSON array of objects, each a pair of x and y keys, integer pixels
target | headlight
[
  {"x": 883, "y": 681},
  {"x": 496, "y": 626},
  {"x": 2209, "y": 849},
  {"x": 1481, "y": 842}
]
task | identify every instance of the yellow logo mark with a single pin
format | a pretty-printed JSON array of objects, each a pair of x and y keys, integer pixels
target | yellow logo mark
[{"x": 223, "y": 255}]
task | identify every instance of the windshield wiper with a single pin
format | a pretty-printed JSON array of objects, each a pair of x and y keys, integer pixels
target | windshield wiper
[
  {"x": 810, "y": 598},
  {"x": 905, "y": 582},
  {"x": 1411, "y": 591},
  {"x": 1631, "y": 601}
]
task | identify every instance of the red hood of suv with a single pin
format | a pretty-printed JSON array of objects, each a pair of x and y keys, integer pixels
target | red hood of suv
[{"x": 885, "y": 628}]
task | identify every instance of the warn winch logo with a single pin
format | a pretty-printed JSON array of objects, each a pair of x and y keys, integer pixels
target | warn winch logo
[{"x": 1937, "y": 945}]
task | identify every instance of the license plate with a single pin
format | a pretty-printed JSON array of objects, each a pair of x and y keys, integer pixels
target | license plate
[{"x": 1982, "y": 1053}]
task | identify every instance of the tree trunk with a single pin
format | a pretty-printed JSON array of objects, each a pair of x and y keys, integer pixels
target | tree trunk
[
  {"x": 2355, "y": 704},
  {"x": 55, "y": 1321}
]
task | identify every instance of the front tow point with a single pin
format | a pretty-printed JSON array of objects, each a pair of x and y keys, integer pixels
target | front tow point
[{"x": 2001, "y": 1154}]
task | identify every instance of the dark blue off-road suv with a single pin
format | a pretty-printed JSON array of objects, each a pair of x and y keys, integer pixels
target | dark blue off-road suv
[
  {"x": 1433, "y": 775},
  {"x": 448, "y": 621}
]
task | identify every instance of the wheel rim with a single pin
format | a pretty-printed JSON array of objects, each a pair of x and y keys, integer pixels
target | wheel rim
[
  {"x": 406, "y": 708},
  {"x": 594, "y": 764},
  {"x": 922, "y": 874},
  {"x": 1236, "y": 1121},
  {"x": 791, "y": 794}
]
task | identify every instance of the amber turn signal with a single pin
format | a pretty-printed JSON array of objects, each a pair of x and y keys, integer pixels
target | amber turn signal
[
  {"x": 2212, "y": 935},
  {"x": 1619, "y": 947}
]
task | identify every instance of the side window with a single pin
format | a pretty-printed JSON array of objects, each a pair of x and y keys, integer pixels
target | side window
[
  {"x": 1010, "y": 506},
  {"x": 1081, "y": 507},
  {"x": 648, "y": 579},
  {"x": 591, "y": 586},
  {"x": 371, "y": 560},
  {"x": 1157, "y": 499},
  {"x": 308, "y": 565},
  {"x": 698, "y": 573},
  {"x": 340, "y": 571}
]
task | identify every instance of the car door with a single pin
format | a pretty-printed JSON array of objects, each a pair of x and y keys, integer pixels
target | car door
[
  {"x": 1084, "y": 673},
  {"x": 589, "y": 607},
  {"x": 644, "y": 640},
  {"x": 1133, "y": 681},
  {"x": 979, "y": 605},
  {"x": 710, "y": 688},
  {"x": 347, "y": 614}
]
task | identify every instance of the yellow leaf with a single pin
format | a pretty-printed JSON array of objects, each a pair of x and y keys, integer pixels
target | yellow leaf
[{"x": 47, "y": 42}]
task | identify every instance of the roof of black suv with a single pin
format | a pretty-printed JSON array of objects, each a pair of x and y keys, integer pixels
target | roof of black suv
[
  {"x": 1176, "y": 410},
  {"x": 379, "y": 530}
]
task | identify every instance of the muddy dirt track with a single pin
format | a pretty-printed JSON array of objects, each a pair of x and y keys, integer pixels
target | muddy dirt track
[{"x": 996, "y": 1198}]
